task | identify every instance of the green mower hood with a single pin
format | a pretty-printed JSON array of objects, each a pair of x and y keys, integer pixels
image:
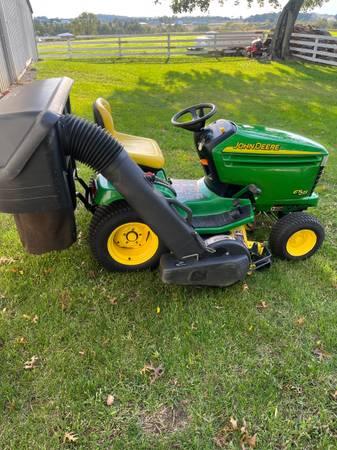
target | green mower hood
[{"x": 264, "y": 140}]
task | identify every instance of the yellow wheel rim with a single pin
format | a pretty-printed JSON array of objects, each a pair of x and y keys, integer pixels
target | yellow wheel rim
[
  {"x": 301, "y": 242},
  {"x": 132, "y": 243}
]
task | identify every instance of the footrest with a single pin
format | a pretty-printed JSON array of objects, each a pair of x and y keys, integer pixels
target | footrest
[{"x": 220, "y": 220}]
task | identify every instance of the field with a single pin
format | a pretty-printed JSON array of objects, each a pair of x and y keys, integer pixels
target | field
[
  {"x": 175, "y": 44},
  {"x": 113, "y": 46},
  {"x": 262, "y": 352}
]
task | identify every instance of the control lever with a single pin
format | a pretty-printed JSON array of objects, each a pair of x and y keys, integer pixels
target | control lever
[{"x": 253, "y": 190}]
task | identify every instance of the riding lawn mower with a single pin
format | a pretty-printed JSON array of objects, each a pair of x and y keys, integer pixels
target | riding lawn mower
[{"x": 197, "y": 231}]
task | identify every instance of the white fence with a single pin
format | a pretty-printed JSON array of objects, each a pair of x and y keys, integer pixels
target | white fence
[
  {"x": 169, "y": 44},
  {"x": 315, "y": 48},
  {"x": 17, "y": 40}
]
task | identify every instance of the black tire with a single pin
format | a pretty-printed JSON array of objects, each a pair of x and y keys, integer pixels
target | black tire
[
  {"x": 286, "y": 227},
  {"x": 105, "y": 220}
]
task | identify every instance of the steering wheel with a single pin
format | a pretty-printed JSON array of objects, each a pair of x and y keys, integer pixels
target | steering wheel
[{"x": 199, "y": 116}]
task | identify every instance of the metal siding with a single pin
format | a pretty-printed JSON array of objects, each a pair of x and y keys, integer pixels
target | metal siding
[
  {"x": 4, "y": 75},
  {"x": 18, "y": 38}
]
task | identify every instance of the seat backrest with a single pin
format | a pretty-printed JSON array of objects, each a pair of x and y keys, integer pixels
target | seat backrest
[{"x": 102, "y": 115}]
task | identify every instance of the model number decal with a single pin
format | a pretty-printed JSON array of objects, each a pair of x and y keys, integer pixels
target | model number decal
[
  {"x": 300, "y": 192},
  {"x": 256, "y": 146}
]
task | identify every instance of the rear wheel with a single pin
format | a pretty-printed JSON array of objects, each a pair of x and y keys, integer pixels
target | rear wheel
[
  {"x": 121, "y": 241},
  {"x": 296, "y": 236}
]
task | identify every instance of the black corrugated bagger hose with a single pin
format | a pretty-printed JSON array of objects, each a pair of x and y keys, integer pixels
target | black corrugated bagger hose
[{"x": 92, "y": 145}]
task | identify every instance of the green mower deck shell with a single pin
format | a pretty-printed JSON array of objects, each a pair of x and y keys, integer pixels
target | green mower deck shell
[
  {"x": 209, "y": 204},
  {"x": 107, "y": 194},
  {"x": 285, "y": 166}
]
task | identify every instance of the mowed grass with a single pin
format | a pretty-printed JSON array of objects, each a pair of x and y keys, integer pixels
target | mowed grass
[
  {"x": 263, "y": 352},
  {"x": 111, "y": 46}
]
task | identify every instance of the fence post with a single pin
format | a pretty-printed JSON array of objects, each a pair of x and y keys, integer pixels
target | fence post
[
  {"x": 119, "y": 47},
  {"x": 69, "y": 49},
  {"x": 168, "y": 46},
  {"x": 215, "y": 44},
  {"x": 314, "y": 53}
]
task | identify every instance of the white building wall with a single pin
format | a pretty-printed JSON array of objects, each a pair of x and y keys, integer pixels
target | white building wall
[{"x": 17, "y": 40}]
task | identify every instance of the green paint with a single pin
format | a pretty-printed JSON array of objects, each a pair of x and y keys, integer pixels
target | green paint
[
  {"x": 284, "y": 178},
  {"x": 209, "y": 204},
  {"x": 283, "y": 165}
]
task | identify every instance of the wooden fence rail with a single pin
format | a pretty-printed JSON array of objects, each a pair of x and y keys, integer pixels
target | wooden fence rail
[
  {"x": 315, "y": 48},
  {"x": 168, "y": 44}
]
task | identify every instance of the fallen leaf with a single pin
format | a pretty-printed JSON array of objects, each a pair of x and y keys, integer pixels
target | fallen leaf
[
  {"x": 64, "y": 300},
  {"x": 113, "y": 300},
  {"x": 82, "y": 353},
  {"x": 4, "y": 260},
  {"x": 156, "y": 372},
  {"x": 226, "y": 434},
  {"x": 110, "y": 400},
  {"x": 221, "y": 439},
  {"x": 158, "y": 309},
  {"x": 21, "y": 340},
  {"x": 249, "y": 440},
  {"x": 262, "y": 305},
  {"x": 290, "y": 387},
  {"x": 321, "y": 354},
  {"x": 69, "y": 437},
  {"x": 244, "y": 426},
  {"x": 233, "y": 423},
  {"x": 16, "y": 270},
  {"x": 33, "y": 319},
  {"x": 333, "y": 395},
  {"x": 300, "y": 321},
  {"x": 245, "y": 287},
  {"x": 32, "y": 363}
]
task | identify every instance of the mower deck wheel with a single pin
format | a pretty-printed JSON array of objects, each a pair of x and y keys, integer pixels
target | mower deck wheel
[
  {"x": 296, "y": 236},
  {"x": 121, "y": 241}
]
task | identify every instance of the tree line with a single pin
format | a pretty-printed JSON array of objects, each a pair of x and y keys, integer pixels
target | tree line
[{"x": 89, "y": 24}]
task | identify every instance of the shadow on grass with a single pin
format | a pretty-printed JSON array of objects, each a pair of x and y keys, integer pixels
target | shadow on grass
[{"x": 292, "y": 96}]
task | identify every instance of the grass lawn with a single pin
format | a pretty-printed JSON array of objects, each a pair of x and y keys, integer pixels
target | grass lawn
[
  {"x": 263, "y": 352},
  {"x": 103, "y": 46}
]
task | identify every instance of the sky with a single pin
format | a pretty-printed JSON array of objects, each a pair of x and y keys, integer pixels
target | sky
[{"x": 72, "y": 8}]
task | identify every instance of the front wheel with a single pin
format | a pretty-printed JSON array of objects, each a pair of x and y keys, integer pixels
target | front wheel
[
  {"x": 296, "y": 236},
  {"x": 121, "y": 241}
]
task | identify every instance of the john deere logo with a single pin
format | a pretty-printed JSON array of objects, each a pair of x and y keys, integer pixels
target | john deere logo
[{"x": 256, "y": 146}]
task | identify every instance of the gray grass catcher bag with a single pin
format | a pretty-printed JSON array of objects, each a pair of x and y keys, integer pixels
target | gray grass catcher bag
[{"x": 36, "y": 182}]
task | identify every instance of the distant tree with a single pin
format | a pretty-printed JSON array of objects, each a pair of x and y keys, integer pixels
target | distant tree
[
  {"x": 322, "y": 23},
  {"x": 86, "y": 23},
  {"x": 284, "y": 26}
]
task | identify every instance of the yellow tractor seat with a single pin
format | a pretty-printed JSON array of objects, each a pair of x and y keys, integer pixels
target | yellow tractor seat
[{"x": 145, "y": 152}]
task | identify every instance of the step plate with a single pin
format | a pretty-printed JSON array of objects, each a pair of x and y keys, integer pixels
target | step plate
[{"x": 223, "y": 219}]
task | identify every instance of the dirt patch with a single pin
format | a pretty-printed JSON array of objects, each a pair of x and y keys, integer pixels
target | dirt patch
[
  {"x": 28, "y": 76},
  {"x": 167, "y": 419}
]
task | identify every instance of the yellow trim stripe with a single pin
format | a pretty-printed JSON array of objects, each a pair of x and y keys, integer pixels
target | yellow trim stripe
[{"x": 269, "y": 152}]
